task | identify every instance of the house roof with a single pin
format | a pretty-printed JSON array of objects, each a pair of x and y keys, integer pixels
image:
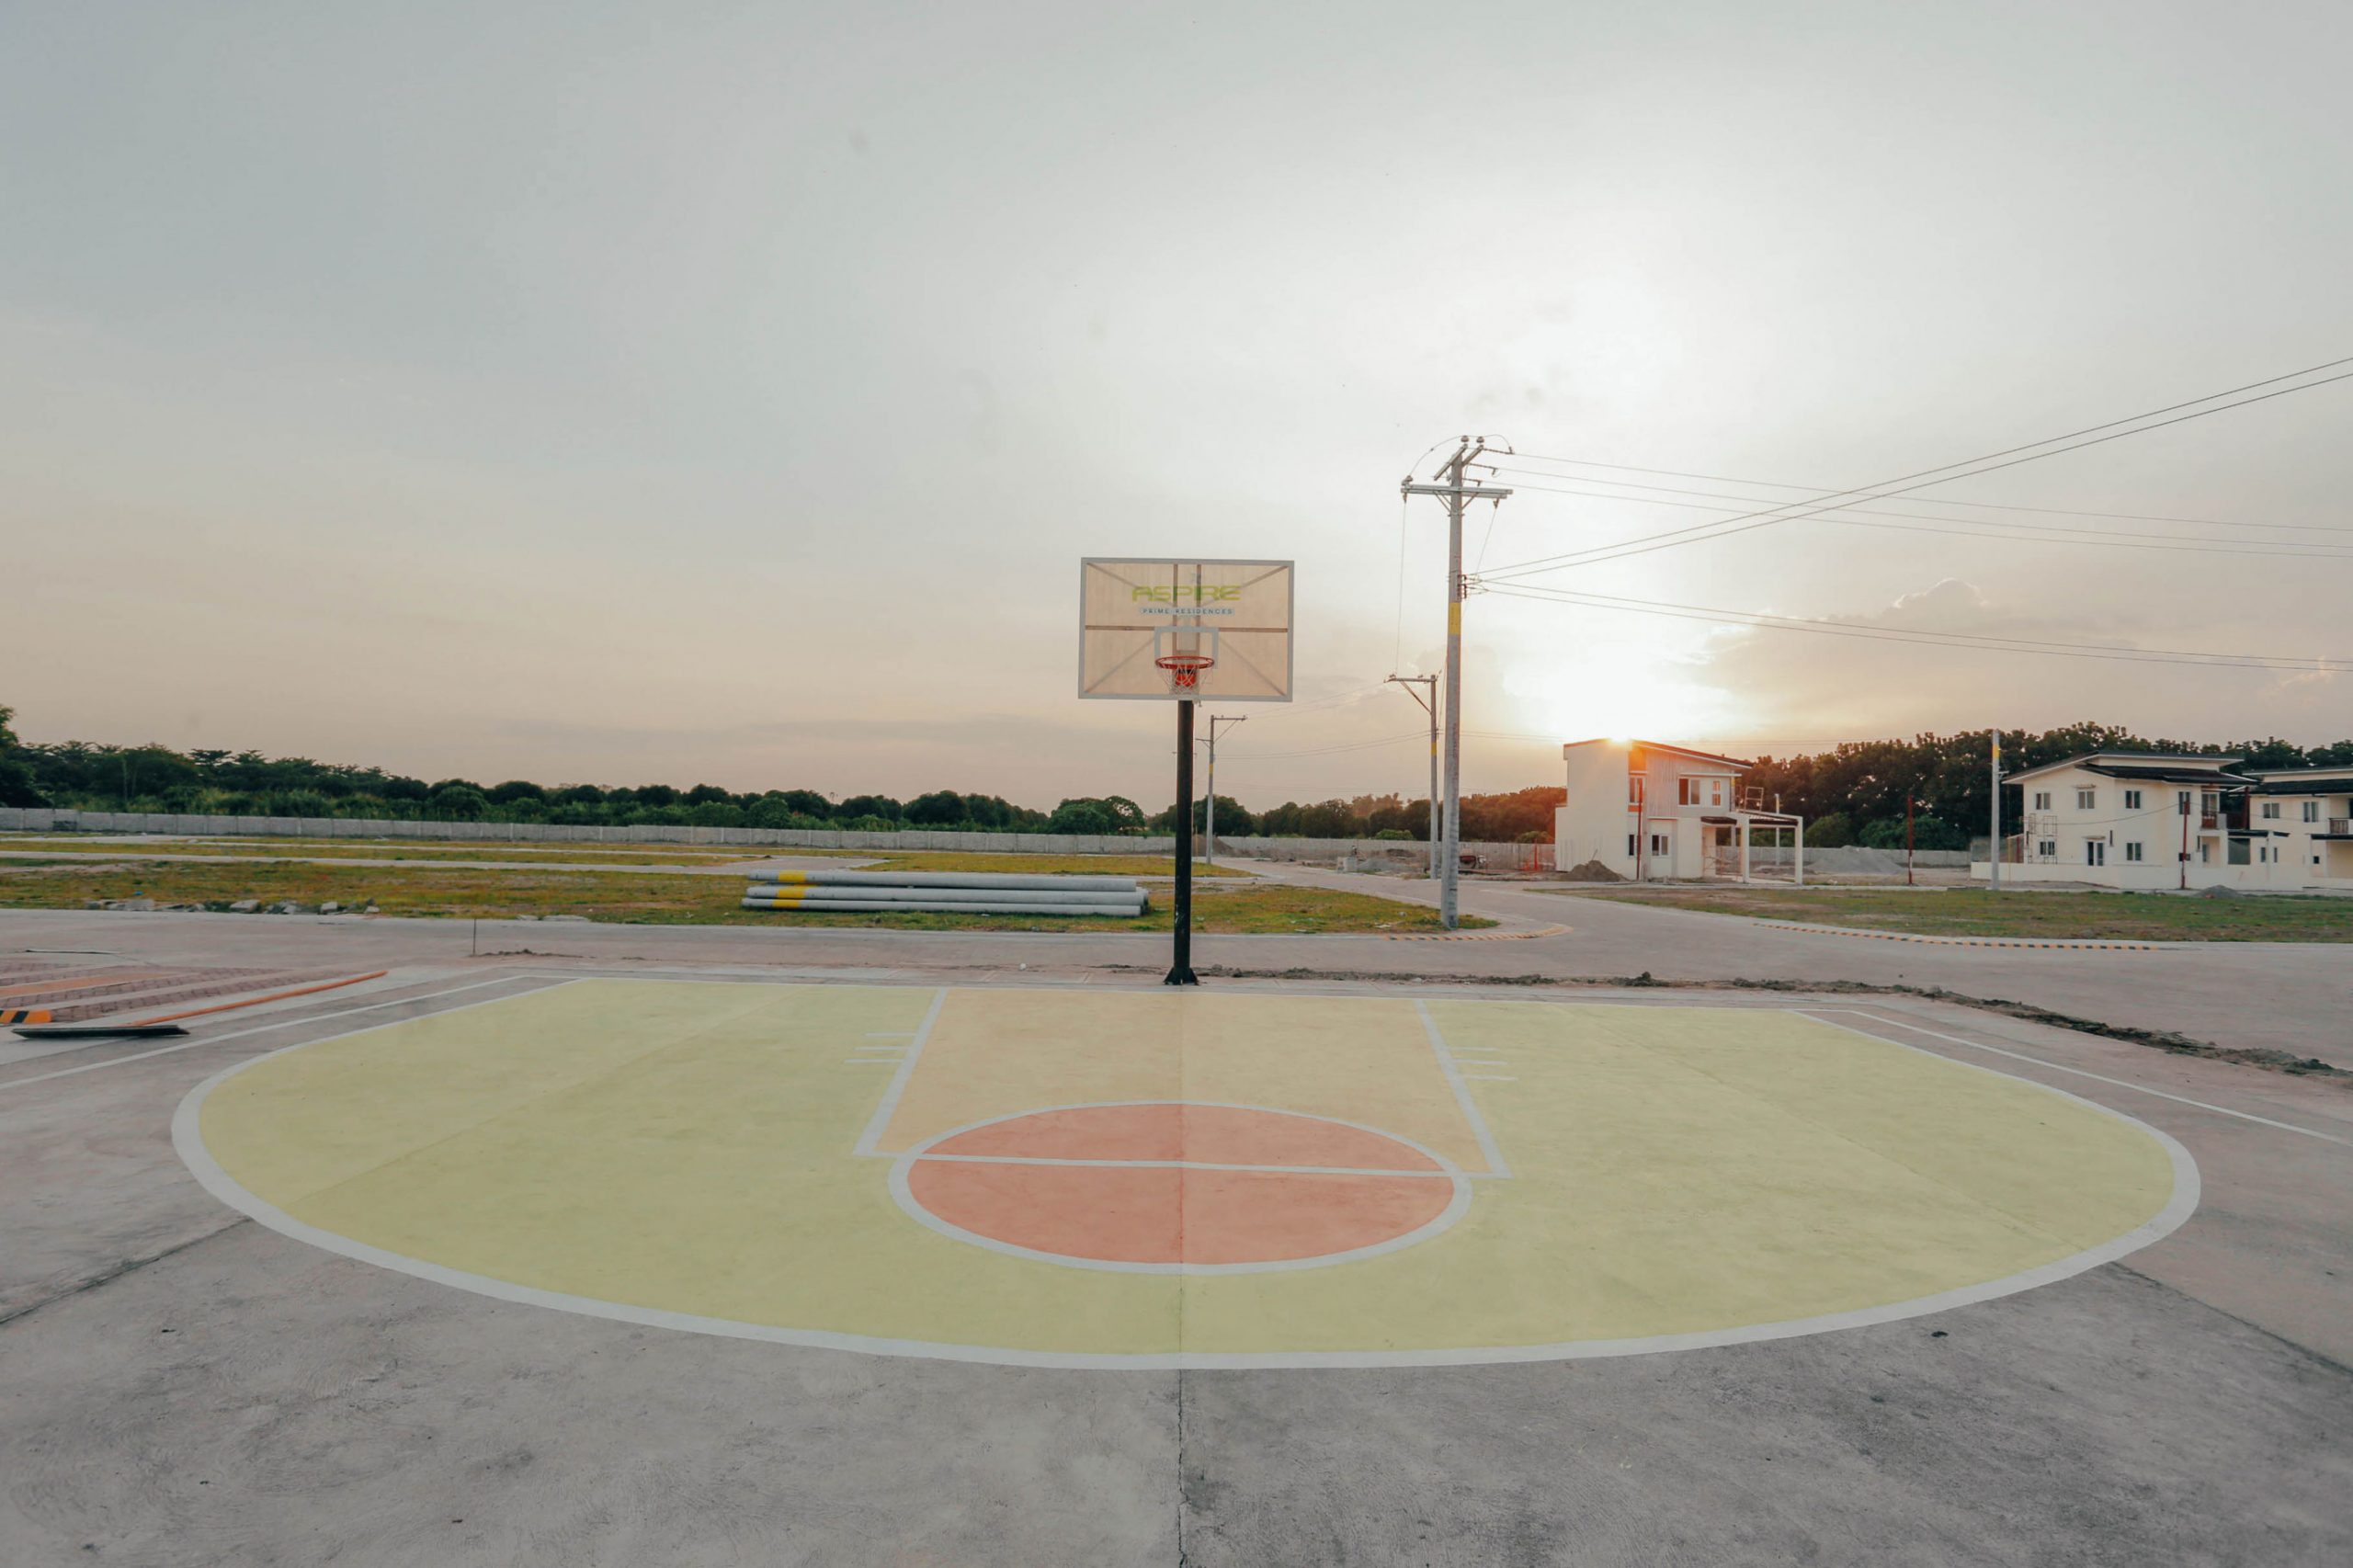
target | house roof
[
  {"x": 2165, "y": 766},
  {"x": 2173, "y": 774},
  {"x": 1732, "y": 762},
  {"x": 2306, "y": 782}
]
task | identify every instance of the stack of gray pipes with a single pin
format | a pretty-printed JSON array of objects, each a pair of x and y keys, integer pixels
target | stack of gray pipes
[{"x": 959, "y": 893}]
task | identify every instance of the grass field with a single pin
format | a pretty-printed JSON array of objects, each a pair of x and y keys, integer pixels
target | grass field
[
  {"x": 426, "y": 852},
  {"x": 1975, "y": 911},
  {"x": 643, "y": 898}
]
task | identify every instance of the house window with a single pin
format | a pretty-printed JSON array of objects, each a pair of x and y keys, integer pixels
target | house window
[
  {"x": 2238, "y": 855},
  {"x": 2205, "y": 854},
  {"x": 2095, "y": 851},
  {"x": 1630, "y": 846},
  {"x": 1687, "y": 792},
  {"x": 2132, "y": 851},
  {"x": 2131, "y": 799},
  {"x": 2312, "y": 811},
  {"x": 2182, "y": 800},
  {"x": 2047, "y": 848},
  {"x": 1658, "y": 845},
  {"x": 2043, "y": 799},
  {"x": 2086, "y": 799},
  {"x": 2271, "y": 810}
]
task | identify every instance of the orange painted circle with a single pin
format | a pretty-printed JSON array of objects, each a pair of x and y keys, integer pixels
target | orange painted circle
[{"x": 1165, "y": 1185}]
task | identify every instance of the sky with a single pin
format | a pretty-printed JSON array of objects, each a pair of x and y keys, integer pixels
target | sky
[{"x": 692, "y": 392}]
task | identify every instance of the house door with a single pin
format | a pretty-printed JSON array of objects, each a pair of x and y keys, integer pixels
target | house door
[{"x": 2095, "y": 851}]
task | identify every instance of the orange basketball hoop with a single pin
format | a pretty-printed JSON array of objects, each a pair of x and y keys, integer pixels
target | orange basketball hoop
[{"x": 1184, "y": 670}]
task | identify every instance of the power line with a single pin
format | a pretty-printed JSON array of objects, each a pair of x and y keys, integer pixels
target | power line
[
  {"x": 1767, "y": 518},
  {"x": 1816, "y": 493},
  {"x": 2051, "y": 646},
  {"x": 2118, "y": 538},
  {"x": 1327, "y": 750}
]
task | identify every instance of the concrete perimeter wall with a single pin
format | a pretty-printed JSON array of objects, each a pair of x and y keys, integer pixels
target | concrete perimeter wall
[{"x": 45, "y": 820}]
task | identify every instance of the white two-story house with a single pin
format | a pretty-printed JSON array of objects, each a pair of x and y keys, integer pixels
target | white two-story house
[
  {"x": 1649, "y": 812},
  {"x": 2312, "y": 809},
  {"x": 2146, "y": 821}
]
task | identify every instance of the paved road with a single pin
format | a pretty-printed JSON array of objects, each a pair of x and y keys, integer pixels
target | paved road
[{"x": 2293, "y": 998}]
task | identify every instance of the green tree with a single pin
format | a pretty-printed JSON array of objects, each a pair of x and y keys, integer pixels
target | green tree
[
  {"x": 941, "y": 807},
  {"x": 1082, "y": 816},
  {"x": 16, "y": 787},
  {"x": 456, "y": 801}
]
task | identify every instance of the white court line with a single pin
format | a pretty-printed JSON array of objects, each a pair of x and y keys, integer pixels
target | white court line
[
  {"x": 1467, "y": 1061},
  {"x": 898, "y": 1084},
  {"x": 1487, "y": 1149},
  {"x": 890, "y": 1034},
  {"x": 188, "y": 1140},
  {"x": 1487, "y": 1078},
  {"x": 869, "y": 1061},
  {"x": 1181, "y": 1165},
  {"x": 2055, "y": 1067},
  {"x": 290, "y": 1023},
  {"x": 903, "y": 1193}
]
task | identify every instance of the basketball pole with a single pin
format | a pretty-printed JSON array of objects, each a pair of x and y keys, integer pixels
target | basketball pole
[{"x": 1180, "y": 969}]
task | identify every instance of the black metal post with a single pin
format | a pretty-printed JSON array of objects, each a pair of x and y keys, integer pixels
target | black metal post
[{"x": 1180, "y": 972}]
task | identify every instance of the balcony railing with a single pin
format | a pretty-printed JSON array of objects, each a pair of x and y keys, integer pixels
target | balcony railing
[{"x": 2340, "y": 824}]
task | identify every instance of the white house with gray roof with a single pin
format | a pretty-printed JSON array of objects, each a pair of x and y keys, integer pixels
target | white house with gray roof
[{"x": 2150, "y": 820}]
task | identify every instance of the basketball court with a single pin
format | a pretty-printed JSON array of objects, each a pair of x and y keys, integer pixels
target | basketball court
[{"x": 1129, "y": 1179}]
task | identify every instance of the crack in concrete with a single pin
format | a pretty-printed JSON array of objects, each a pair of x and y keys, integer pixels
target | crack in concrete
[{"x": 129, "y": 1266}]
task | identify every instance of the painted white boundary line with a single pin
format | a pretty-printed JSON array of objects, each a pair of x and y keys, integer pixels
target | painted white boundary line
[
  {"x": 1487, "y": 1148},
  {"x": 868, "y": 1139},
  {"x": 188, "y": 1140},
  {"x": 285, "y": 1024},
  {"x": 903, "y": 1170},
  {"x": 2078, "y": 1072}
]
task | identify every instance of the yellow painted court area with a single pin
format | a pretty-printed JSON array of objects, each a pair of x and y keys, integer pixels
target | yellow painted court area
[{"x": 737, "y": 1158}]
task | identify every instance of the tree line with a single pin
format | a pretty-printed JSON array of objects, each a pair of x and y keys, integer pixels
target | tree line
[
  {"x": 86, "y": 775},
  {"x": 1852, "y": 793}
]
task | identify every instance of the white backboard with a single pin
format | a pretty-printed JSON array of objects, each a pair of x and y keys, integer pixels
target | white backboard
[{"x": 1134, "y": 612}]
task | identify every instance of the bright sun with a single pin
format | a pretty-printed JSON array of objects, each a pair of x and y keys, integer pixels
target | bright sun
[{"x": 1639, "y": 686}]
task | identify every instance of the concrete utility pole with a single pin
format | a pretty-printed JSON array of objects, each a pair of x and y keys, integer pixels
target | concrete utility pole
[
  {"x": 1428, "y": 699},
  {"x": 1208, "y": 845},
  {"x": 1993, "y": 856},
  {"x": 1455, "y": 493}
]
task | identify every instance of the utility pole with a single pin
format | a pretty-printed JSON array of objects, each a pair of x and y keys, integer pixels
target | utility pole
[
  {"x": 1427, "y": 698},
  {"x": 1455, "y": 492},
  {"x": 1993, "y": 856},
  {"x": 1208, "y": 845},
  {"x": 1907, "y": 840}
]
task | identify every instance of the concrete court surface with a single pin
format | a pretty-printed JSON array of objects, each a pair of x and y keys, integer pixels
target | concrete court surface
[{"x": 181, "y": 1384}]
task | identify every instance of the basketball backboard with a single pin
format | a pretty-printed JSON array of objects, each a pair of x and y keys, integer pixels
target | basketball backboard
[{"x": 1207, "y": 630}]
